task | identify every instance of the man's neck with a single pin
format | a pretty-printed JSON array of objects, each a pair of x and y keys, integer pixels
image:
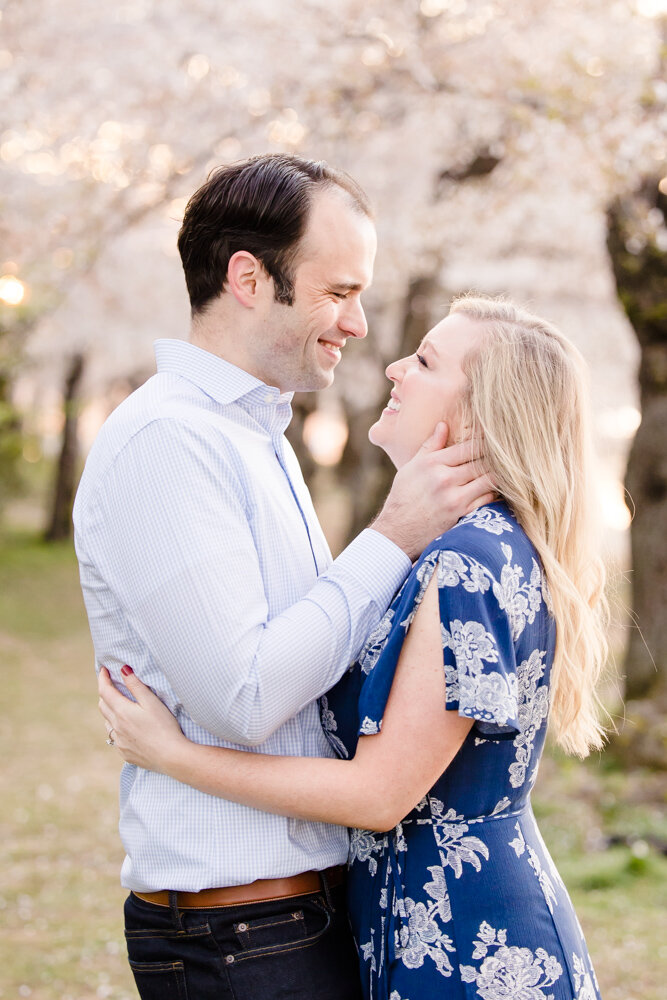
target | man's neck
[{"x": 221, "y": 334}]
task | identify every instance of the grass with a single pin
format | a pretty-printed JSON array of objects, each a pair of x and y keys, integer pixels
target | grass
[
  {"x": 61, "y": 932},
  {"x": 60, "y": 901}
]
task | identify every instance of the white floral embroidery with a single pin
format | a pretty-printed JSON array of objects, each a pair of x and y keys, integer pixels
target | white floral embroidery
[
  {"x": 518, "y": 845},
  {"x": 512, "y": 971},
  {"x": 437, "y": 890},
  {"x": 424, "y": 574},
  {"x": 398, "y": 839},
  {"x": 455, "y": 569},
  {"x": 583, "y": 983},
  {"x": 492, "y": 695},
  {"x": 368, "y": 952},
  {"x": 375, "y": 643},
  {"x": 363, "y": 846},
  {"x": 488, "y": 520},
  {"x": 452, "y": 570},
  {"x": 532, "y": 777},
  {"x": 455, "y": 848},
  {"x": 521, "y": 601},
  {"x": 470, "y": 643},
  {"x": 330, "y": 726},
  {"x": 553, "y": 871},
  {"x": 479, "y": 579},
  {"x": 501, "y": 806},
  {"x": 369, "y": 727},
  {"x": 546, "y": 885},
  {"x": 533, "y": 710},
  {"x": 419, "y": 937},
  {"x": 424, "y": 571}
]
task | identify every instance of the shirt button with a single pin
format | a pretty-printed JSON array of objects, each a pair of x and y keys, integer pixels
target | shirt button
[{"x": 268, "y": 398}]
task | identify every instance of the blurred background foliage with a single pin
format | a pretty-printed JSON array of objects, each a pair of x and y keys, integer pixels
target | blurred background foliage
[{"x": 508, "y": 146}]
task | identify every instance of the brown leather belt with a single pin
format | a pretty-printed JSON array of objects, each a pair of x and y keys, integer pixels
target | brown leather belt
[{"x": 263, "y": 890}]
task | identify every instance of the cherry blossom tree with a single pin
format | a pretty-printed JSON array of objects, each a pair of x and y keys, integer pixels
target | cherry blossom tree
[{"x": 490, "y": 134}]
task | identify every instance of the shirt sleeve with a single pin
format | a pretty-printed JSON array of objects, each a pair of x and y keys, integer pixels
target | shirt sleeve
[{"x": 169, "y": 525}]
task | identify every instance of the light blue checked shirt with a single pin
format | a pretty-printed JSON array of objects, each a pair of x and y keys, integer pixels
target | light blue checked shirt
[{"x": 203, "y": 566}]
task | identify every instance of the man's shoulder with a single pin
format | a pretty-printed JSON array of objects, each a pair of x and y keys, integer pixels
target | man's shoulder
[
  {"x": 160, "y": 413},
  {"x": 165, "y": 405}
]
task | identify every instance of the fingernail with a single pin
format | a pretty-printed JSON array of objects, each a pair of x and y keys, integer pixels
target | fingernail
[{"x": 126, "y": 670}]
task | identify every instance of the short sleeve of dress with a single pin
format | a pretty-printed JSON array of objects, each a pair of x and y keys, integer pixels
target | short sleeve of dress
[{"x": 478, "y": 650}]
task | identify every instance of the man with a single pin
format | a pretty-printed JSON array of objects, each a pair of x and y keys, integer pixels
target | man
[{"x": 203, "y": 565}]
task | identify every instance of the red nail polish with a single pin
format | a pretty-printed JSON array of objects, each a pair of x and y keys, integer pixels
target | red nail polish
[{"x": 126, "y": 670}]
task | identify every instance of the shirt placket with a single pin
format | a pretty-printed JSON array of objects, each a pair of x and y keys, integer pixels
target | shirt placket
[{"x": 278, "y": 442}]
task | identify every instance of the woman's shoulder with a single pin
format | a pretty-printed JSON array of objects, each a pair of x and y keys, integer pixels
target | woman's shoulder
[
  {"x": 490, "y": 535},
  {"x": 486, "y": 568}
]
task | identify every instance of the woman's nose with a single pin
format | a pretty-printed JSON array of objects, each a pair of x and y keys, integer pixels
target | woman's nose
[{"x": 394, "y": 371}]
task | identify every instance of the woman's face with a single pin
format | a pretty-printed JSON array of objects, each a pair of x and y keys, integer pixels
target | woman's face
[{"x": 428, "y": 387}]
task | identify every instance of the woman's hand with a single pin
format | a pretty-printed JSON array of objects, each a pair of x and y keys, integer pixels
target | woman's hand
[{"x": 144, "y": 731}]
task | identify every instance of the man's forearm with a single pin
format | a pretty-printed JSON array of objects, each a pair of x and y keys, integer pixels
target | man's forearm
[{"x": 243, "y": 691}]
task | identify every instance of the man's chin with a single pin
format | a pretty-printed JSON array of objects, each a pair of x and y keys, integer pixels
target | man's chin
[{"x": 313, "y": 381}]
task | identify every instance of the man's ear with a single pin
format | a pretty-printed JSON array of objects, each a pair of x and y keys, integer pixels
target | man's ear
[{"x": 247, "y": 280}]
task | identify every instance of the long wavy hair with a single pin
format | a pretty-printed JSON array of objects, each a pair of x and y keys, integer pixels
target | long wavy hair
[{"x": 527, "y": 396}]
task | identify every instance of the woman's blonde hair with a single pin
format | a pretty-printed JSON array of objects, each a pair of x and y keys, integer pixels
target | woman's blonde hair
[{"x": 528, "y": 396}]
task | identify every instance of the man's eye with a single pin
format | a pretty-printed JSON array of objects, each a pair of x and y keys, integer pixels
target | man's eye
[
  {"x": 421, "y": 359},
  {"x": 339, "y": 295}
]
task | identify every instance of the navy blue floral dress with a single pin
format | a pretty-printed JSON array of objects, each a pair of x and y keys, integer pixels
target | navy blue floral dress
[{"x": 462, "y": 900}]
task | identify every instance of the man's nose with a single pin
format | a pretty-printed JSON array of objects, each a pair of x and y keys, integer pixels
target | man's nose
[{"x": 353, "y": 319}]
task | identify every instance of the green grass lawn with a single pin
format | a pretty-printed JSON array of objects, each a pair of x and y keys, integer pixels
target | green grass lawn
[{"x": 60, "y": 901}]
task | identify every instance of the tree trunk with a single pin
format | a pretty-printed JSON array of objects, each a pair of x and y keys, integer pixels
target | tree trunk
[
  {"x": 60, "y": 525},
  {"x": 640, "y": 269},
  {"x": 11, "y": 444}
]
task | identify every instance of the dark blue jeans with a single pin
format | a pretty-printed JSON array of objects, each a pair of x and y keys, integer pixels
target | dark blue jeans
[{"x": 298, "y": 948}]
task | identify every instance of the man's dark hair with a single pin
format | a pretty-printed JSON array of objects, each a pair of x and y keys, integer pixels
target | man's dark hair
[{"x": 260, "y": 205}]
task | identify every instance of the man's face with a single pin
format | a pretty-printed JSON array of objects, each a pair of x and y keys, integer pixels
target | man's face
[{"x": 301, "y": 344}]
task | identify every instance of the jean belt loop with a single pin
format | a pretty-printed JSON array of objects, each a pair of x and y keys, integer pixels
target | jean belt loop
[
  {"x": 326, "y": 889},
  {"x": 174, "y": 910}
]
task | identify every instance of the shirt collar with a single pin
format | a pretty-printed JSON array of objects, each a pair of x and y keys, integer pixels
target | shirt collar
[{"x": 219, "y": 379}]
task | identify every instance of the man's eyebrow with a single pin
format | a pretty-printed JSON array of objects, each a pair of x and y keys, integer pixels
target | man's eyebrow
[{"x": 347, "y": 286}]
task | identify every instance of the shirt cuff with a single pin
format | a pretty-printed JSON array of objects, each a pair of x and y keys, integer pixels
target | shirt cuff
[{"x": 377, "y": 563}]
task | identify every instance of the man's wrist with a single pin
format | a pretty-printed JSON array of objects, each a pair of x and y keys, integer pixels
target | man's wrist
[{"x": 387, "y": 526}]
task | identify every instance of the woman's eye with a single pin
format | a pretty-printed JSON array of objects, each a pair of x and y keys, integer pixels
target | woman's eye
[{"x": 421, "y": 359}]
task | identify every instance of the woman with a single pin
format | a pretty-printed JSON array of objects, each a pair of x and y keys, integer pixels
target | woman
[{"x": 460, "y": 898}]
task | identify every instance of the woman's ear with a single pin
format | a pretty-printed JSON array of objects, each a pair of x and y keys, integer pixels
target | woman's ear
[
  {"x": 463, "y": 432},
  {"x": 247, "y": 280}
]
